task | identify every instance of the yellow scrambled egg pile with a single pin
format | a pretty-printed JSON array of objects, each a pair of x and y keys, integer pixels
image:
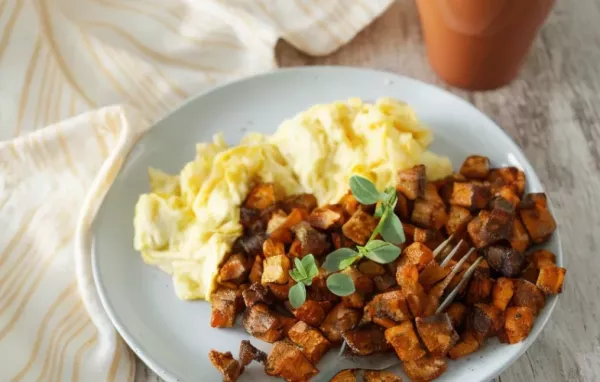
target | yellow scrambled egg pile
[{"x": 187, "y": 223}]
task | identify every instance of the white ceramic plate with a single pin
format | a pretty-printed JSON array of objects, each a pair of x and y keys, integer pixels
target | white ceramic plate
[{"x": 174, "y": 337}]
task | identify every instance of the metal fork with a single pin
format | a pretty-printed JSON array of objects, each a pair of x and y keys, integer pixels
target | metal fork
[{"x": 380, "y": 361}]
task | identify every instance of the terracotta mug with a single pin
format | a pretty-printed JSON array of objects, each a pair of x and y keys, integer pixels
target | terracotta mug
[{"x": 480, "y": 44}]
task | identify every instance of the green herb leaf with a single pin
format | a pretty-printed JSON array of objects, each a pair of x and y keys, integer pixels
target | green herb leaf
[
  {"x": 297, "y": 295},
  {"x": 391, "y": 229},
  {"x": 311, "y": 268},
  {"x": 295, "y": 275},
  {"x": 348, "y": 262},
  {"x": 364, "y": 190},
  {"x": 300, "y": 268},
  {"x": 334, "y": 259},
  {"x": 340, "y": 284},
  {"x": 378, "y": 209},
  {"x": 391, "y": 197},
  {"x": 382, "y": 252}
]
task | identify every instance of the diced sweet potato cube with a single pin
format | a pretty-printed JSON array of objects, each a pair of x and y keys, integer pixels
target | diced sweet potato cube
[
  {"x": 470, "y": 195},
  {"x": 273, "y": 247},
  {"x": 288, "y": 362},
  {"x": 437, "y": 333},
  {"x": 341, "y": 241},
  {"x": 338, "y": 320},
  {"x": 550, "y": 279},
  {"x": 498, "y": 226},
  {"x": 484, "y": 321},
  {"x": 430, "y": 237},
  {"x": 310, "y": 312},
  {"x": 527, "y": 294},
  {"x": 417, "y": 254},
  {"x": 287, "y": 323},
  {"x": 429, "y": 213},
  {"x": 507, "y": 261},
  {"x": 536, "y": 217},
  {"x": 257, "y": 293},
  {"x": 366, "y": 340},
  {"x": 282, "y": 232},
  {"x": 509, "y": 176},
  {"x": 519, "y": 239},
  {"x": 327, "y": 217},
  {"x": 390, "y": 305},
  {"x": 505, "y": 198},
  {"x": 502, "y": 292},
  {"x": 277, "y": 218},
  {"x": 349, "y": 203},
  {"x": 370, "y": 268},
  {"x": 310, "y": 341},
  {"x": 475, "y": 167},
  {"x": 474, "y": 228},
  {"x": 458, "y": 218},
  {"x": 225, "y": 306},
  {"x": 432, "y": 273},
  {"x": 518, "y": 323},
  {"x": 252, "y": 244},
  {"x": 542, "y": 258},
  {"x": 362, "y": 283},
  {"x": 261, "y": 196},
  {"x": 226, "y": 364},
  {"x": 249, "y": 353},
  {"x": 257, "y": 270},
  {"x": 276, "y": 270},
  {"x": 407, "y": 277},
  {"x": 306, "y": 202},
  {"x": 281, "y": 291},
  {"x": 263, "y": 324},
  {"x": 383, "y": 282},
  {"x": 311, "y": 240},
  {"x": 405, "y": 342},
  {"x": 425, "y": 369},
  {"x": 380, "y": 376},
  {"x": 412, "y": 182},
  {"x": 530, "y": 273},
  {"x": 348, "y": 375},
  {"x": 359, "y": 227},
  {"x": 384, "y": 322},
  {"x": 403, "y": 207},
  {"x": 457, "y": 312},
  {"x": 467, "y": 345},
  {"x": 480, "y": 289},
  {"x": 354, "y": 300},
  {"x": 235, "y": 269}
]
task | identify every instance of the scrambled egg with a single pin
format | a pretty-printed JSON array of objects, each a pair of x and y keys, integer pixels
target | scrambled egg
[{"x": 187, "y": 224}]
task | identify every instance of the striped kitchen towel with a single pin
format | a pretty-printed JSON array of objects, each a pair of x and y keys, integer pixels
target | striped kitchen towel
[{"x": 62, "y": 63}]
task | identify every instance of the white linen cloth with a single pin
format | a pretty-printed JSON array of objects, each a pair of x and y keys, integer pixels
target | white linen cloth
[{"x": 63, "y": 63}]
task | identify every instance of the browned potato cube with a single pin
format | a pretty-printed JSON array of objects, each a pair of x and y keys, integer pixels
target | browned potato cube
[
  {"x": 311, "y": 240},
  {"x": 257, "y": 293},
  {"x": 257, "y": 270},
  {"x": 403, "y": 207},
  {"x": 380, "y": 376},
  {"x": 484, "y": 321},
  {"x": 345, "y": 376},
  {"x": 384, "y": 322},
  {"x": 235, "y": 269},
  {"x": 249, "y": 353},
  {"x": 475, "y": 167},
  {"x": 306, "y": 202},
  {"x": 437, "y": 333},
  {"x": 359, "y": 227},
  {"x": 226, "y": 364},
  {"x": 281, "y": 291},
  {"x": 263, "y": 324},
  {"x": 519, "y": 239},
  {"x": 429, "y": 213},
  {"x": 467, "y": 345},
  {"x": 527, "y": 294},
  {"x": 506, "y": 199},
  {"x": 432, "y": 273},
  {"x": 518, "y": 323},
  {"x": 412, "y": 182},
  {"x": 530, "y": 273},
  {"x": 310, "y": 312},
  {"x": 277, "y": 218},
  {"x": 498, "y": 226},
  {"x": 366, "y": 340},
  {"x": 536, "y": 217},
  {"x": 276, "y": 270},
  {"x": 405, "y": 342},
  {"x": 390, "y": 305},
  {"x": 338, "y": 320},
  {"x": 432, "y": 238},
  {"x": 502, "y": 293},
  {"x": 225, "y": 306},
  {"x": 457, "y": 312},
  {"x": 551, "y": 279},
  {"x": 470, "y": 195},
  {"x": 425, "y": 369},
  {"x": 310, "y": 341},
  {"x": 542, "y": 258},
  {"x": 252, "y": 245},
  {"x": 349, "y": 203},
  {"x": 327, "y": 217},
  {"x": 287, "y": 323},
  {"x": 507, "y": 261},
  {"x": 407, "y": 277},
  {"x": 509, "y": 176},
  {"x": 458, "y": 218},
  {"x": 370, "y": 268},
  {"x": 383, "y": 282},
  {"x": 261, "y": 197},
  {"x": 341, "y": 241},
  {"x": 273, "y": 248},
  {"x": 480, "y": 289},
  {"x": 354, "y": 300},
  {"x": 283, "y": 232},
  {"x": 474, "y": 228},
  {"x": 417, "y": 254},
  {"x": 288, "y": 362}
]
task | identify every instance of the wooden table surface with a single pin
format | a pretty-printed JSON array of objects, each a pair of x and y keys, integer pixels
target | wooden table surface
[{"x": 551, "y": 111}]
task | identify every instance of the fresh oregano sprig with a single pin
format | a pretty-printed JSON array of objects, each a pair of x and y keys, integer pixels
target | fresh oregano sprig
[
  {"x": 303, "y": 273},
  {"x": 381, "y": 251}
]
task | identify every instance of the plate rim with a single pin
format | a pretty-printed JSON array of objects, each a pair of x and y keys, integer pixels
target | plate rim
[{"x": 170, "y": 376}]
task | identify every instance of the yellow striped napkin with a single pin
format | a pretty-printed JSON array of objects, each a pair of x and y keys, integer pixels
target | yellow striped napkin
[{"x": 62, "y": 63}]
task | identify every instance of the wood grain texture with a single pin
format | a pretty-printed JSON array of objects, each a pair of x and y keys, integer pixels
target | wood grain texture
[{"x": 552, "y": 111}]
